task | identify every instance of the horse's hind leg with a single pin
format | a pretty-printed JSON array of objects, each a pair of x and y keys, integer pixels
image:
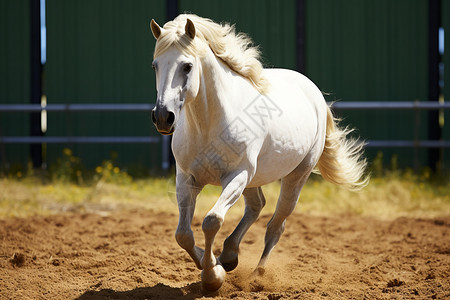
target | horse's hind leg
[
  {"x": 254, "y": 202},
  {"x": 291, "y": 186}
]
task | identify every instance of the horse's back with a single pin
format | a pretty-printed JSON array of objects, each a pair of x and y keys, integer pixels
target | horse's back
[
  {"x": 300, "y": 86},
  {"x": 298, "y": 97}
]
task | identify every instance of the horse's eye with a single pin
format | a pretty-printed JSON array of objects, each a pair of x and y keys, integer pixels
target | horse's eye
[{"x": 187, "y": 68}]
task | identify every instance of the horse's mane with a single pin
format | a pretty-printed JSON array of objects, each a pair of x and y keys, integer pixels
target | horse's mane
[{"x": 234, "y": 49}]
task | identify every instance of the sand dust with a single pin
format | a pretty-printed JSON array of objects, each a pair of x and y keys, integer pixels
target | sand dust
[{"x": 133, "y": 255}]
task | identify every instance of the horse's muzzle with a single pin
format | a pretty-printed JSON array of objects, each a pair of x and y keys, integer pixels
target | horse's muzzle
[{"x": 164, "y": 120}]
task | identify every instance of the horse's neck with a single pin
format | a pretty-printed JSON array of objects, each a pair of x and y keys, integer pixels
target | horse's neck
[{"x": 221, "y": 95}]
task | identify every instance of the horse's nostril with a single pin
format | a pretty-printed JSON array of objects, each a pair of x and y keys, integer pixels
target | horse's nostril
[
  {"x": 153, "y": 117},
  {"x": 171, "y": 118}
]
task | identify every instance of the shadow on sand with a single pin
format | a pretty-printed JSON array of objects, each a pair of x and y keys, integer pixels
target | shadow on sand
[{"x": 159, "y": 291}]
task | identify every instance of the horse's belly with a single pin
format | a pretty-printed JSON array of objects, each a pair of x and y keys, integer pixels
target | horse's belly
[
  {"x": 278, "y": 159},
  {"x": 276, "y": 169}
]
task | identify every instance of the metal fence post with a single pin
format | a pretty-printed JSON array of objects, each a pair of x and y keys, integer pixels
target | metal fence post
[
  {"x": 35, "y": 79},
  {"x": 434, "y": 130},
  {"x": 165, "y": 149}
]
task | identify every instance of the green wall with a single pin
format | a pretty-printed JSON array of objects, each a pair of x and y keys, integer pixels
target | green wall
[
  {"x": 372, "y": 51},
  {"x": 14, "y": 78},
  {"x": 101, "y": 52},
  {"x": 270, "y": 24}
]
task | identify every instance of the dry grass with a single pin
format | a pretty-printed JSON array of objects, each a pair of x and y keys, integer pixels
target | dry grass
[{"x": 387, "y": 198}]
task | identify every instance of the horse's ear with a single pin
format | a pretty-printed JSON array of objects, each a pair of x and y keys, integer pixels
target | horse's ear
[
  {"x": 156, "y": 30},
  {"x": 190, "y": 28}
]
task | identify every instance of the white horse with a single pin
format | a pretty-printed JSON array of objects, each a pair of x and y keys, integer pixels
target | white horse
[{"x": 240, "y": 126}]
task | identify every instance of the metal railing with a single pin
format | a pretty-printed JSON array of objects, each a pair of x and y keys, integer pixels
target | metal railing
[
  {"x": 410, "y": 105},
  {"x": 397, "y": 105},
  {"x": 345, "y": 105},
  {"x": 76, "y": 108},
  {"x": 69, "y": 108},
  {"x": 348, "y": 105},
  {"x": 165, "y": 141}
]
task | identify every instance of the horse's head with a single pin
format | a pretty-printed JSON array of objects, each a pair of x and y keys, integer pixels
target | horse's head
[{"x": 177, "y": 72}]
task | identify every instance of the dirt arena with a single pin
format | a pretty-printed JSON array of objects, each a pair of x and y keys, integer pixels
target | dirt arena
[{"x": 133, "y": 255}]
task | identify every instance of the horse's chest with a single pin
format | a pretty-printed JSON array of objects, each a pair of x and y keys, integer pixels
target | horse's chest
[{"x": 209, "y": 161}]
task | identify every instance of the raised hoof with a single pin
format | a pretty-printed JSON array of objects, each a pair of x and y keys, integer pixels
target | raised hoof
[
  {"x": 229, "y": 265},
  {"x": 213, "y": 279}
]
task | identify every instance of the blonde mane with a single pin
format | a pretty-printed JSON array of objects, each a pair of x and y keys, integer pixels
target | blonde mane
[{"x": 234, "y": 49}]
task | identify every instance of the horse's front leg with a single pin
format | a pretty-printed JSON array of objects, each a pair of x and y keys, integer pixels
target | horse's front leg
[
  {"x": 213, "y": 274},
  {"x": 187, "y": 192}
]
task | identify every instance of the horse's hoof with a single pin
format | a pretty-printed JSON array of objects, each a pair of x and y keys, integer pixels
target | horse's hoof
[
  {"x": 229, "y": 265},
  {"x": 213, "y": 279}
]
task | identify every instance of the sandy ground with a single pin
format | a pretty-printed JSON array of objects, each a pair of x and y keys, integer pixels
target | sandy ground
[{"x": 133, "y": 255}]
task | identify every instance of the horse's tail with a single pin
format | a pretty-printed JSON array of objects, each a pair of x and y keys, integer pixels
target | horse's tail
[{"x": 341, "y": 161}]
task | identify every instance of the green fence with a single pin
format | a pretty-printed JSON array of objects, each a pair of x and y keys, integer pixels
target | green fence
[
  {"x": 14, "y": 78},
  {"x": 101, "y": 52},
  {"x": 373, "y": 51},
  {"x": 271, "y": 24}
]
